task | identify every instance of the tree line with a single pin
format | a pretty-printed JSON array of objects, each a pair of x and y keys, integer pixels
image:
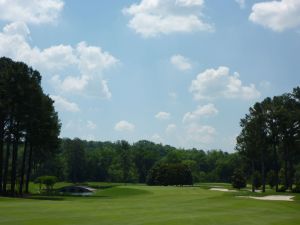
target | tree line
[
  {"x": 80, "y": 161},
  {"x": 29, "y": 125},
  {"x": 269, "y": 142}
]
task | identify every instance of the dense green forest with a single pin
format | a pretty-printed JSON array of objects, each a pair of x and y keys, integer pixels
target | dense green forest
[
  {"x": 81, "y": 160},
  {"x": 267, "y": 151}
]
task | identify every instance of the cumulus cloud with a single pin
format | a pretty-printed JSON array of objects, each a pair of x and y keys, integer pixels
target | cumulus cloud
[
  {"x": 214, "y": 83},
  {"x": 201, "y": 111},
  {"x": 181, "y": 62},
  {"x": 64, "y": 104},
  {"x": 242, "y": 3},
  {"x": 189, "y": 3},
  {"x": 151, "y": 18},
  {"x": 105, "y": 89},
  {"x": 171, "y": 128},
  {"x": 92, "y": 58},
  {"x": 124, "y": 126},
  {"x": 87, "y": 62},
  {"x": 70, "y": 83},
  {"x": 163, "y": 116},
  {"x": 203, "y": 134},
  {"x": 277, "y": 15},
  {"x": 31, "y": 11}
]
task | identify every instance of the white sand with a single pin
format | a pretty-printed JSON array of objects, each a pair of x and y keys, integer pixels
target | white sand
[
  {"x": 288, "y": 198},
  {"x": 222, "y": 189},
  {"x": 257, "y": 191}
]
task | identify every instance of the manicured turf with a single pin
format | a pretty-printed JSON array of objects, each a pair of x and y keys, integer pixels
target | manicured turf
[{"x": 137, "y": 205}]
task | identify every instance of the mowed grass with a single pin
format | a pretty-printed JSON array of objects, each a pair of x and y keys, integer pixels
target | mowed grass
[{"x": 144, "y": 205}]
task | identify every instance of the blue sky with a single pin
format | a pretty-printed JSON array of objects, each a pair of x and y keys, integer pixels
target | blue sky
[{"x": 179, "y": 72}]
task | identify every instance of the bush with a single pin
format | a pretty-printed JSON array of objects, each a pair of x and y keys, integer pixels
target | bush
[
  {"x": 48, "y": 181},
  {"x": 170, "y": 174},
  {"x": 282, "y": 189},
  {"x": 297, "y": 175},
  {"x": 238, "y": 179},
  {"x": 256, "y": 180},
  {"x": 296, "y": 189}
]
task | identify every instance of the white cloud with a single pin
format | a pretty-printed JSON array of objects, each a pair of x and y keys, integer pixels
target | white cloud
[
  {"x": 64, "y": 104},
  {"x": 214, "y": 83},
  {"x": 189, "y": 3},
  {"x": 92, "y": 58},
  {"x": 16, "y": 28},
  {"x": 105, "y": 90},
  {"x": 181, "y": 62},
  {"x": 203, "y": 134},
  {"x": 163, "y": 116},
  {"x": 30, "y": 11},
  {"x": 242, "y": 3},
  {"x": 87, "y": 62},
  {"x": 205, "y": 110},
  {"x": 70, "y": 83},
  {"x": 151, "y": 18},
  {"x": 91, "y": 125},
  {"x": 171, "y": 128},
  {"x": 124, "y": 126},
  {"x": 277, "y": 15}
]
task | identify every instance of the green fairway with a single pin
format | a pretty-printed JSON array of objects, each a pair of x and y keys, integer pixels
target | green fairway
[{"x": 137, "y": 205}]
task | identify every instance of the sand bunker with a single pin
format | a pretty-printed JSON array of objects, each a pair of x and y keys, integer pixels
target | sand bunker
[
  {"x": 222, "y": 189},
  {"x": 288, "y": 198}
]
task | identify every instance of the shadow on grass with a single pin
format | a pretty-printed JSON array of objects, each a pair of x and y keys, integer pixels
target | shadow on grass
[{"x": 63, "y": 197}]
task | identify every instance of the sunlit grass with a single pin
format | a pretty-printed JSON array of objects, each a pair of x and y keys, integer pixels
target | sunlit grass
[{"x": 144, "y": 205}]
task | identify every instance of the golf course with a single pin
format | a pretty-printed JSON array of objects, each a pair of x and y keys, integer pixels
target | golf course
[{"x": 149, "y": 205}]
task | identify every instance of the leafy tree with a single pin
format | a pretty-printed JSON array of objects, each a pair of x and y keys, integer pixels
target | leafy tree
[
  {"x": 48, "y": 181},
  {"x": 238, "y": 179},
  {"x": 271, "y": 131},
  {"x": 75, "y": 160},
  {"x": 21, "y": 104},
  {"x": 170, "y": 174}
]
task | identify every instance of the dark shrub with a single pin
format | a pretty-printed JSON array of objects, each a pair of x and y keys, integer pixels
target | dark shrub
[
  {"x": 48, "y": 181},
  {"x": 256, "y": 180},
  {"x": 170, "y": 174},
  {"x": 296, "y": 189},
  {"x": 282, "y": 189},
  {"x": 238, "y": 179}
]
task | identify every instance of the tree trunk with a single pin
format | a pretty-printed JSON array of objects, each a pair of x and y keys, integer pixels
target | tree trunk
[
  {"x": 263, "y": 175},
  {"x": 29, "y": 164},
  {"x": 1, "y": 153},
  {"x": 276, "y": 170},
  {"x": 22, "y": 174},
  {"x": 290, "y": 174},
  {"x": 14, "y": 164},
  {"x": 286, "y": 180},
  {"x": 6, "y": 164},
  {"x": 252, "y": 173}
]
